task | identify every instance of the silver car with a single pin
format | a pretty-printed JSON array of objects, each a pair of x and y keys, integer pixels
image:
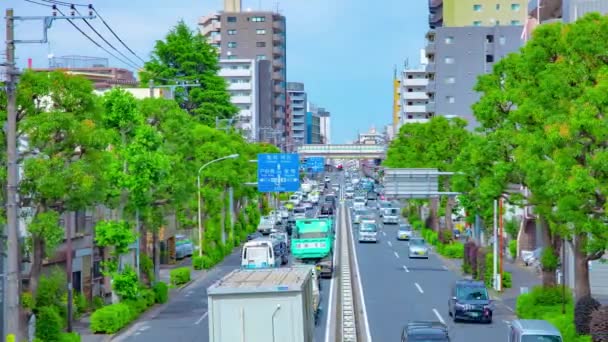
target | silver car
[
  {"x": 404, "y": 232},
  {"x": 368, "y": 231},
  {"x": 418, "y": 248}
]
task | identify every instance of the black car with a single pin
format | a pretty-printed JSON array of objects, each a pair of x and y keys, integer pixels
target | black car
[
  {"x": 327, "y": 210},
  {"x": 254, "y": 236},
  {"x": 425, "y": 331},
  {"x": 470, "y": 302}
]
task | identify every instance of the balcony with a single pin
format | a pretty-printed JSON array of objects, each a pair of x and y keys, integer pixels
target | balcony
[
  {"x": 278, "y": 89},
  {"x": 278, "y": 25},
  {"x": 436, "y": 18},
  {"x": 278, "y": 51},
  {"x": 415, "y": 95},
  {"x": 433, "y": 4},
  {"x": 415, "y": 82},
  {"x": 239, "y": 86},
  {"x": 430, "y": 48},
  {"x": 245, "y": 115},
  {"x": 415, "y": 109},
  {"x": 234, "y": 73},
  {"x": 279, "y": 101},
  {"x": 213, "y": 26},
  {"x": 241, "y": 99},
  {"x": 278, "y": 38},
  {"x": 430, "y": 107},
  {"x": 278, "y": 63},
  {"x": 277, "y": 76},
  {"x": 430, "y": 68},
  {"x": 431, "y": 86}
]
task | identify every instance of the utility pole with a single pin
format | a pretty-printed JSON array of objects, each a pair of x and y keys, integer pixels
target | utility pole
[
  {"x": 11, "y": 295},
  {"x": 500, "y": 243},
  {"x": 151, "y": 86},
  {"x": 68, "y": 238}
]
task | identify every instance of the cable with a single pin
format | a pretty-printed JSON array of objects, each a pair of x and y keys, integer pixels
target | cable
[
  {"x": 63, "y": 3},
  {"x": 115, "y": 35},
  {"x": 94, "y": 42},
  {"x": 102, "y": 37},
  {"x": 37, "y": 3}
]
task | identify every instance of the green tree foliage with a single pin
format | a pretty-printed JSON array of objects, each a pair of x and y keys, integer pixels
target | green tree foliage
[
  {"x": 552, "y": 96},
  {"x": 186, "y": 55},
  {"x": 64, "y": 158}
]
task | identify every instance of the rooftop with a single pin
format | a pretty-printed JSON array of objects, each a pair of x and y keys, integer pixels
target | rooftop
[
  {"x": 535, "y": 326},
  {"x": 261, "y": 280}
]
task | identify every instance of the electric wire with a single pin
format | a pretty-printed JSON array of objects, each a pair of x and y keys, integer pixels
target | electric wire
[
  {"x": 63, "y": 3},
  {"x": 115, "y": 35}
]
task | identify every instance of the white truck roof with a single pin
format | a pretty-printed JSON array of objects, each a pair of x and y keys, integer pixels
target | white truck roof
[{"x": 261, "y": 280}]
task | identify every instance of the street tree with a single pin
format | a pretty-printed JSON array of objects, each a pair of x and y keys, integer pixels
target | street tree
[
  {"x": 434, "y": 144},
  {"x": 64, "y": 156},
  {"x": 559, "y": 130},
  {"x": 186, "y": 56}
]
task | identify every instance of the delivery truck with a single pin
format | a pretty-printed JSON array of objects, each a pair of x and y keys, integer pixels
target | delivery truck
[{"x": 275, "y": 304}]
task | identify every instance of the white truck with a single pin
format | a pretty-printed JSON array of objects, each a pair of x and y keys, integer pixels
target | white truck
[{"x": 262, "y": 305}]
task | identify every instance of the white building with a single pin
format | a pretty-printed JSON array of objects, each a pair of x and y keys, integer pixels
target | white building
[
  {"x": 325, "y": 124},
  {"x": 241, "y": 76},
  {"x": 414, "y": 99}
]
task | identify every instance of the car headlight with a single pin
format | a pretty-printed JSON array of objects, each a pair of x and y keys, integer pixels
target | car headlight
[{"x": 460, "y": 306}]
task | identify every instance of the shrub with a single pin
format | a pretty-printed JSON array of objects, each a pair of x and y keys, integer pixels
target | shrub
[
  {"x": 146, "y": 266},
  {"x": 81, "y": 303},
  {"x": 541, "y": 301},
  {"x": 111, "y": 318},
  {"x": 48, "y": 323},
  {"x": 136, "y": 307},
  {"x": 97, "y": 302},
  {"x": 126, "y": 283},
  {"x": 10, "y": 338},
  {"x": 180, "y": 275},
  {"x": 513, "y": 248},
  {"x": 445, "y": 236},
  {"x": 507, "y": 282},
  {"x": 161, "y": 292},
  {"x": 149, "y": 296},
  {"x": 51, "y": 289},
  {"x": 197, "y": 262},
  {"x": 582, "y": 313},
  {"x": 599, "y": 324},
  {"x": 453, "y": 251},
  {"x": 466, "y": 268},
  {"x": 69, "y": 337}
]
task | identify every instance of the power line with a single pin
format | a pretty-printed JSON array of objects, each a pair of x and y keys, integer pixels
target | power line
[
  {"x": 38, "y": 3},
  {"x": 63, "y": 3},
  {"x": 115, "y": 35},
  {"x": 94, "y": 42},
  {"x": 104, "y": 39}
]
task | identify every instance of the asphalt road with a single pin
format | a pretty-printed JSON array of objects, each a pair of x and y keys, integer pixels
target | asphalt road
[{"x": 397, "y": 289}]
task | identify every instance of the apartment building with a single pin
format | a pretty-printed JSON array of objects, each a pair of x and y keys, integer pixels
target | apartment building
[
  {"x": 325, "y": 125},
  {"x": 256, "y": 35},
  {"x": 241, "y": 75},
  {"x": 414, "y": 103},
  {"x": 457, "y": 13},
  {"x": 565, "y": 10},
  {"x": 299, "y": 100}
]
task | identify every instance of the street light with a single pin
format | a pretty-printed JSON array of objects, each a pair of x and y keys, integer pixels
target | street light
[{"x": 198, "y": 190}]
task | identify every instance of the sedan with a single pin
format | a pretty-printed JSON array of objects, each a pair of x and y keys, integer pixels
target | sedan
[
  {"x": 418, "y": 248},
  {"x": 404, "y": 232}
]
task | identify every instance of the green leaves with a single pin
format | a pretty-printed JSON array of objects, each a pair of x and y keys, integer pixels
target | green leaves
[
  {"x": 45, "y": 226},
  {"x": 117, "y": 234}
]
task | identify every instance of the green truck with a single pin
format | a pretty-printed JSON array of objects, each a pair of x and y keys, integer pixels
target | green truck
[{"x": 313, "y": 242}]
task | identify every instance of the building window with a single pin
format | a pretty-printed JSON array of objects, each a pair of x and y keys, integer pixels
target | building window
[
  {"x": 450, "y": 99},
  {"x": 515, "y": 22},
  {"x": 502, "y": 40},
  {"x": 260, "y": 57},
  {"x": 490, "y": 38},
  {"x": 231, "y": 32},
  {"x": 410, "y": 103},
  {"x": 497, "y": 22},
  {"x": 258, "y": 19},
  {"x": 477, "y": 23},
  {"x": 260, "y": 44},
  {"x": 498, "y": 7},
  {"x": 449, "y": 40},
  {"x": 260, "y": 31},
  {"x": 231, "y": 44},
  {"x": 477, "y": 8},
  {"x": 232, "y": 57},
  {"x": 489, "y": 58},
  {"x": 450, "y": 80},
  {"x": 515, "y": 7},
  {"x": 231, "y": 19},
  {"x": 449, "y": 60}
]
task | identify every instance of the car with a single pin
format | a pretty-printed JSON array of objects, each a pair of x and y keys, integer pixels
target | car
[
  {"x": 418, "y": 248},
  {"x": 390, "y": 215},
  {"x": 470, "y": 301},
  {"x": 349, "y": 192},
  {"x": 327, "y": 209},
  {"x": 327, "y": 179},
  {"x": 362, "y": 215},
  {"x": 384, "y": 204},
  {"x": 299, "y": 213},
  {"x": 404, "y": 232},
  {"x": 425, "y": 331},
  {"x": 368, "y": 231},
  {"x": 294, "y": 199},
  {"x": 307, "y": 204},
  {"x": 183, "y": 247},
  {"x": 359, "y": 203},
  {"x": 254, "y": 235}
]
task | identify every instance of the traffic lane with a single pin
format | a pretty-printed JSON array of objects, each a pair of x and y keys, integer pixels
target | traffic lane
[
  {"x": 433, "y": 280},
  {"x": 390, "y": 299},
  {"x": 185, "y": 316}
]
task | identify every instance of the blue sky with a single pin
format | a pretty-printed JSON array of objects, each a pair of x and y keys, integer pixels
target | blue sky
[{"x": 343, "y": 50}]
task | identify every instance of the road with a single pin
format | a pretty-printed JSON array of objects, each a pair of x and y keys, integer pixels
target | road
[
  {"x": 397, "y": 289},
  {"x": 184, "y": 318}
]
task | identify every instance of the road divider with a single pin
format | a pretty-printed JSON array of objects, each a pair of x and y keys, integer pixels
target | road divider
[{"x": 349, "y": 320}]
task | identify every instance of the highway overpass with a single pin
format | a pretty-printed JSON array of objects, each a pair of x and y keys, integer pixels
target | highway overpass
[{"x": 343, "y": 151}]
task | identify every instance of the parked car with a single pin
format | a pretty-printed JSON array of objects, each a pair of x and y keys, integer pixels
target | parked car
[
  {"x": 183, "y": 247},
  {"x": 470, "y": 301},
  {"x": 533, "y": 330}
]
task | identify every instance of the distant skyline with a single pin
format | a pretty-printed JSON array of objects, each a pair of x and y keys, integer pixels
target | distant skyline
[{"x": 344, "y": 51}]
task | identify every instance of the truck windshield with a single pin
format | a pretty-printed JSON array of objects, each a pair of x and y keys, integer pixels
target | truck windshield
[
  {"x": 258, "y": 253},
  {"x": 368, "y": 227},
  {"x": 540, "y": 338},
  {"x": 312, "y": 235}
]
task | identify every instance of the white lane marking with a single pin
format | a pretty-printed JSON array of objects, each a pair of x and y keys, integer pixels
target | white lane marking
[
  {"x": 438, "y": 316},
  {"x": 144, "y": 328},
  {"x": 419, "y": 288},
  {"x": 384, "y": 233},
  {"x": 200, "y": 319},
  {"x": 390, "y": 243},
  {"x": 396, "y": 255},
  {"x": 331, "y": 288},
  {"x": 405, "y": 268},
  {"x": 368, "y": 334},
  {"x": 509, "y": 308},
  {"x": 445, "y": 267}
]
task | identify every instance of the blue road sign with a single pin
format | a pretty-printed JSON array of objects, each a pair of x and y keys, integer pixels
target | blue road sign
[
  {"x": 278, "y": 172},
  {"x": 315, "y": 164}
]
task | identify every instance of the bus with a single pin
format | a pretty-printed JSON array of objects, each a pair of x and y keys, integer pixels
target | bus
[{"x": 312, "y": 242}]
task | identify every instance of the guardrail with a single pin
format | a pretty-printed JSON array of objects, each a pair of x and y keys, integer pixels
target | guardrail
[{"x": 348, "y": 322}]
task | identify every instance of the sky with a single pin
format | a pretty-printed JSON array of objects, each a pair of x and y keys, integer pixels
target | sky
[{"x": 344, "y": 51}]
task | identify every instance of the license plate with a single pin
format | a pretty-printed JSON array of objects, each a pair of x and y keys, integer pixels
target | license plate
[
  {"x": 475, "y": 314},
  {"x": 419, "y": 253}
]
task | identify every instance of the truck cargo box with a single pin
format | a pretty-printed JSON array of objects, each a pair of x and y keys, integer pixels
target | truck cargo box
[{"x": 262, "y": 305}]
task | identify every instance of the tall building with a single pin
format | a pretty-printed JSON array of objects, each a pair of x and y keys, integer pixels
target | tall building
[
  {"x": 414, "y": 102},
  {"x": 299, "y": 100},
  {"x": 565, "y": 10},
  {"x": 325, "y": 125},
  {"x": 464, "y": 42},
  {"x": 242, "y": 78},
  {"x": 257, "y": 35},
  {"x": 457, "y": 13}
]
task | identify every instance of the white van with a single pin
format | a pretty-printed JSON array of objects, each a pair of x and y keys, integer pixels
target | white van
[{"x": 263, "y": 253}]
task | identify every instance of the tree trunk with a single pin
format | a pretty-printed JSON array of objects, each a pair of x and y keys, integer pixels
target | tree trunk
[
  {"x": 37, "y": 257},
  {"x": 582, "y": 287},
  {"x": 434, "y": 218},
  {"x": 156, "y": 255},
  {"x": 449, "y": 205},
  {"x": 549, "y": 278}
]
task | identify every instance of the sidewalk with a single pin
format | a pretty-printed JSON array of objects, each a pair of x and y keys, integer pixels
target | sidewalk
[{"x": 81, "y": 326}]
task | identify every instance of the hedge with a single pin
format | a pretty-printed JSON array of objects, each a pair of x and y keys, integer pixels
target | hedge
[
  {"x": 546, "y": 303},
  {"x": 161, "y": 292},
  {"x": 114, "y": 317},
  {"x": 48, "y": 323},
  {"x": 452, "y": 251},
  {"x": 180, "y": 275}
]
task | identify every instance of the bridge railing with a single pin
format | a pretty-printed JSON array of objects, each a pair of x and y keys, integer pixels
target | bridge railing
[{"x": 342, "y": 148}]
